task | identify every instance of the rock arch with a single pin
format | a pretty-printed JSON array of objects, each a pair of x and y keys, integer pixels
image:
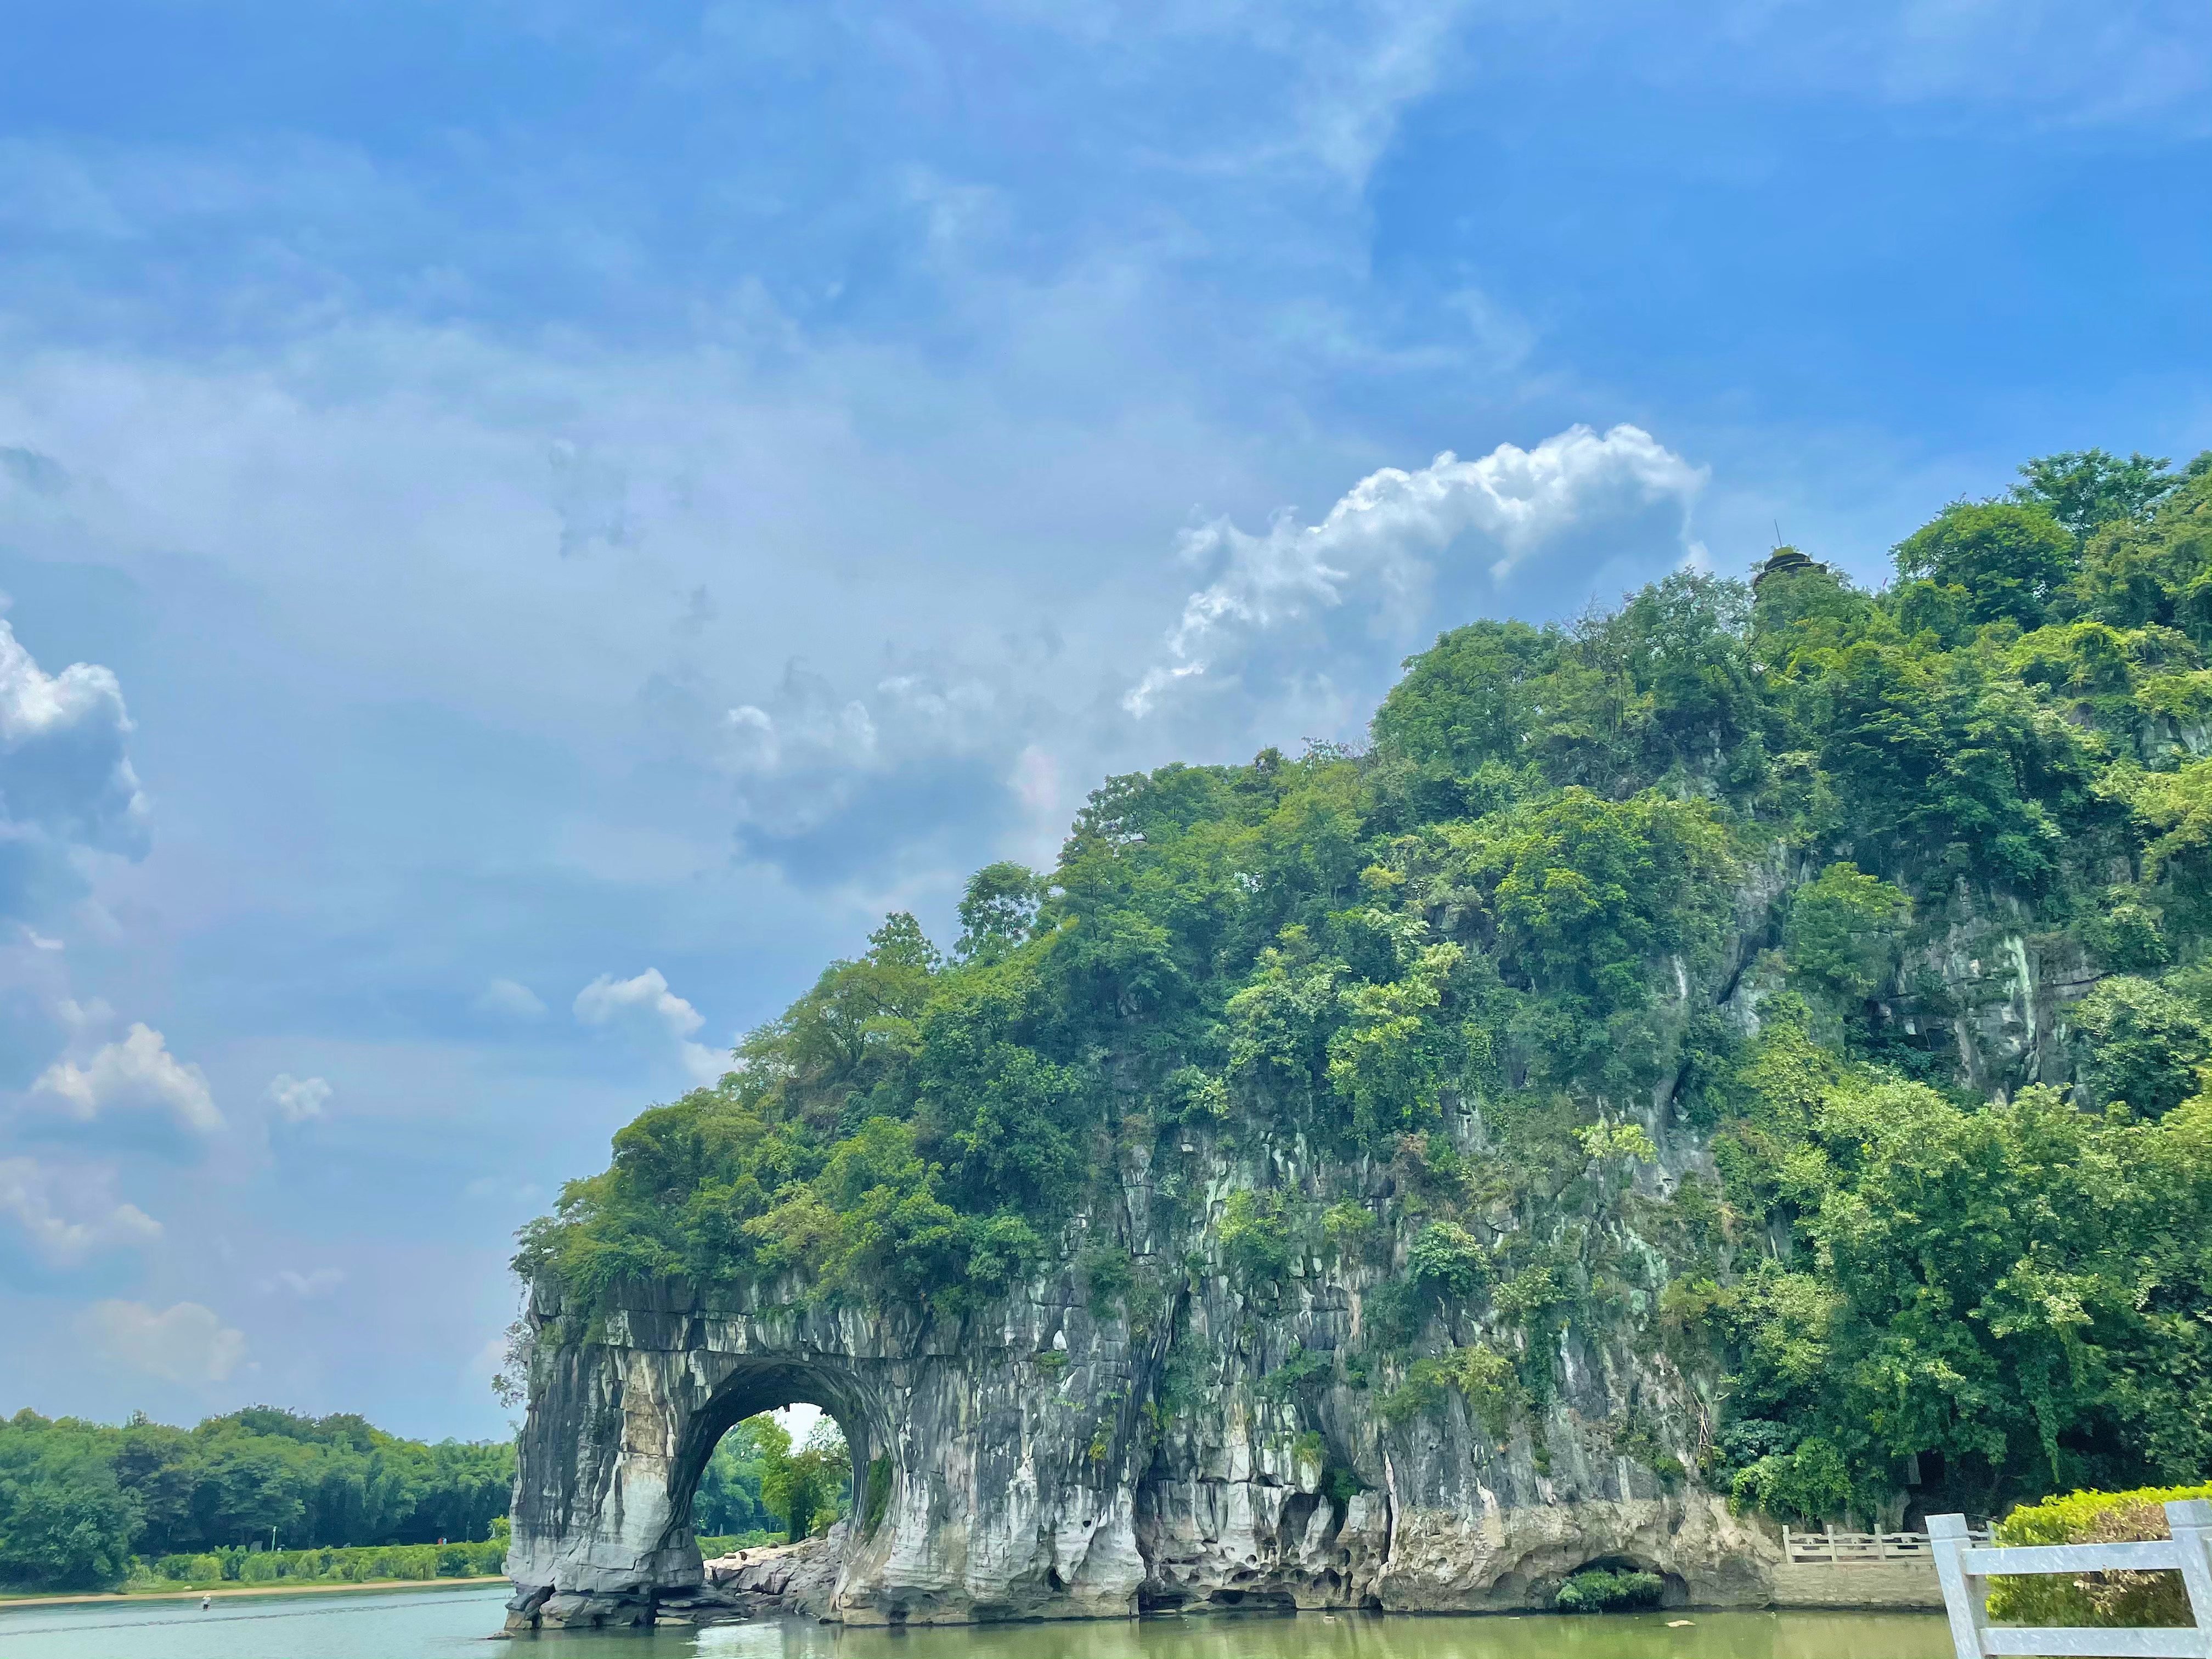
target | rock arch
[
  {"x": 1007, "y": 1496},
  {"x": 1047, "y": 1459}
]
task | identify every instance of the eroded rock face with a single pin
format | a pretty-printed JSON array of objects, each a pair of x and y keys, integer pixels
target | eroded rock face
[
  {"x": 1056, "y": 1461},
  {"x": 1212, "y": 1438}
]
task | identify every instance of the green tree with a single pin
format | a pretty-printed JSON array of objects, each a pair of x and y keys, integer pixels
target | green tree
[
  {"x": 2085, "y": 490},
  {"x": 810, "y": 1485},
  {"x": 728, "y": 1500},
  {"x": 998, "y": 911},
  {"x": 65, "y": 1524},
  {"x": 2008, "y": 560},
  {"x": 1843, "y": 931},
  {"x": 2139, "y": 1045}
]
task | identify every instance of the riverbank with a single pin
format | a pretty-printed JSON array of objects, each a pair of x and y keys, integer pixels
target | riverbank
[{"x": 8, "y": 1600}]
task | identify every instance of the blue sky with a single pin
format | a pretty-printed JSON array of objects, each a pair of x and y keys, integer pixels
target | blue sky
[{"x": 563, "y": 514}]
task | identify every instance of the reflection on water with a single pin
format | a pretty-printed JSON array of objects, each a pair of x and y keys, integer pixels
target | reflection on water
[
  {"x": 1355, "y": 1636},
  {"x": 443, "y": 1624}
]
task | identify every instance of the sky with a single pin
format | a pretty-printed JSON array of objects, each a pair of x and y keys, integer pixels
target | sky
[{"x": 526, "y": 528}]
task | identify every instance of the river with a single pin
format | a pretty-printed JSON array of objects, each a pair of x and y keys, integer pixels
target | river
[{"x": 439, "y": 1623}]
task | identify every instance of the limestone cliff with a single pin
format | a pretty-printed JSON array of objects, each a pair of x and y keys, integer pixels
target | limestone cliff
[
  {"x": 1198, "y": 1437},
  {"x": 1400, "y": 1177}
]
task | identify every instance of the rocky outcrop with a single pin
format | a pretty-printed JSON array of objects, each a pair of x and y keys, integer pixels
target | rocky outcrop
[
  {"x": 1073, "y": 1457},
  {"x": 1191, "y": 1430}
]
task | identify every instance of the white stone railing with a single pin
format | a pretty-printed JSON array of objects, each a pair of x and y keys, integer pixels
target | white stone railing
[
  {"x": 1844, "y": 1549},
  {"x": 1966, "y": 1570}
]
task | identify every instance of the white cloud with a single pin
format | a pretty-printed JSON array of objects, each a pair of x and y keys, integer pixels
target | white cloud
[
  {"x": 85, "y": 1017},
  {"x": 1356, "y": 84},
  {"x": 186, "y": 1343},
  {"x": 1519, "y": 501},
  {"x": 139, "y": 1073},
  {"x": 805, "y": 755},
  {"x": 298, "y": 1098},
  {"x": 68, "y": 1214},
  {"x": 645, "y": 1003},
  {"x": 308, "y": 1285},
  {"x": 511, "y": 999},
  {"x": 62, "y": 767}
]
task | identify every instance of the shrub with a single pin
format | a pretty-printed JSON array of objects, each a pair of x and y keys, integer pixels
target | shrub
[
  {"x": 1811, "y": 1483},
  {"x": 1256, "y": 1237},
  {"x": 1108, "y": 1274},
  {"x": 2107, "y": 1599},
  {"x": 1448, "y": 1257},
  {"x": 1484, "y": 1377},
  {"x": 1843, "y": 931},
  {"x": 1306, "y": 1366},
  {"x": 1600, "y": 1590}
]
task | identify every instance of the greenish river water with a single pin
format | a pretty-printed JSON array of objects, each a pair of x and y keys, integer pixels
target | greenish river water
[{"x": 439, "y": 1623}]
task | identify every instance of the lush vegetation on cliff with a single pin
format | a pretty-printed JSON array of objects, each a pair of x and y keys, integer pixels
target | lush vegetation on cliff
[
  {"x": 1645, "y": 962},
  {"x": 78, "y": 1500}
]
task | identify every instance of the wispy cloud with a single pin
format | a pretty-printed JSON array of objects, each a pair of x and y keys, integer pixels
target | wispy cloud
[
  {"x": 182, "y": 1343},
  {"x": 510, "y": 999},
  {"x": 644, "y": 1003},
  {"x": 67, "y": 1214},
  {"x": 307, "y": 1287}
]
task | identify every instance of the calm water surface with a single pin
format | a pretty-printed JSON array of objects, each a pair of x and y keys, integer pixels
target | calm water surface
[{"x": 439, "y": 1623}]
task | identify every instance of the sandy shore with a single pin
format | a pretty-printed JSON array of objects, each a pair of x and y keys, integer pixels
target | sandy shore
[{"x": 7, "y": 1602}]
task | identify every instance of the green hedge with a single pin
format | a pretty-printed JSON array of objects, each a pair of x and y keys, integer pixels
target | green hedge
[
  {"x": 363, "y": 1565},
  {"x": 2107, "y": 1599}
]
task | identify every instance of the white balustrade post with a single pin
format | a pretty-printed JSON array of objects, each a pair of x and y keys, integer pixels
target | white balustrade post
[
  {"x": 2189, "y": 1521},
  {"x": 1964, "y": 1597}
]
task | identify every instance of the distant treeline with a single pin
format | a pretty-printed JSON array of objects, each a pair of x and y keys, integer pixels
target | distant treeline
[
  {"x": 78, "y": 1500},
  {"x": 325, "y": 1566}
]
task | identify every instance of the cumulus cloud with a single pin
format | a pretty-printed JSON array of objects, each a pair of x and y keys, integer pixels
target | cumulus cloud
[
  {"x": 138, "y": 1075},
  {"x": 63, "y": 770},
  {"x": 68, "y": 1214},
  {"x": 298, "y": 1098},
  {"x": 646, "y": 1004},
  {"x": 1571, "y": 502},
  {"x": 927, "y": 745},
  {"x": 510, "y": 999},
  {"x": 186, "y": 1343}
]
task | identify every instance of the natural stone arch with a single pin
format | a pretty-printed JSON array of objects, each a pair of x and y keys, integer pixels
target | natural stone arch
[
  {"x": 1039, "y": 1473},
  {"x": 1009, "y": 1489},
  {"x": 758, "y": 1385}
]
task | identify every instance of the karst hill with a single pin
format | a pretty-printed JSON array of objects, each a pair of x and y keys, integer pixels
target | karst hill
[{"x": 1734, "y": 1057}]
